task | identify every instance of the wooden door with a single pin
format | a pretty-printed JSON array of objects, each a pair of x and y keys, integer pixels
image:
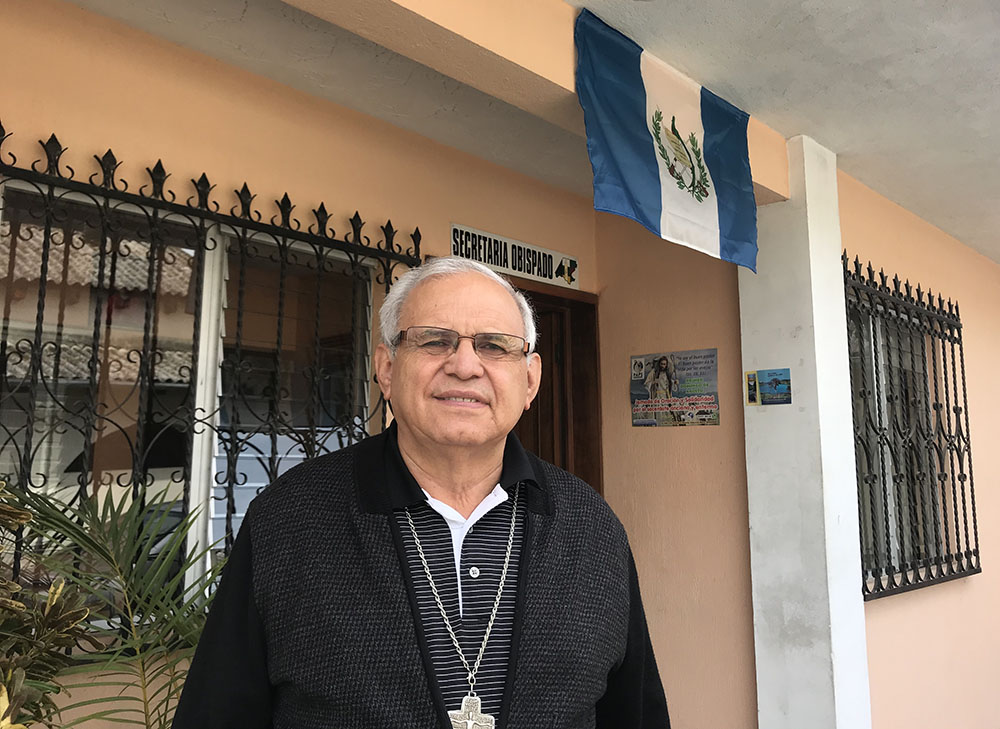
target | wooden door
[{"x": 563, "y": 425}]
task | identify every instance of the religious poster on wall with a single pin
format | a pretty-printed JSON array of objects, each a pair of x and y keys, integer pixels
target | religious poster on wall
[{"x": 675, "y": 388}]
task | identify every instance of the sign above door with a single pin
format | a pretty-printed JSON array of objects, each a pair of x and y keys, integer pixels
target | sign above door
[{"x": 514, "y": 257}]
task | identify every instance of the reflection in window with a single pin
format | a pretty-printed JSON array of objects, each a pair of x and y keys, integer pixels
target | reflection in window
[
  {"x": 96, "y": 347},
  {"x": 295, "y": 367}
]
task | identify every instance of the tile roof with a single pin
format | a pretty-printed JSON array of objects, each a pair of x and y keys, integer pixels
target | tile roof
[
  {"x": 172, "y": 365},
  {"x": 132, "y": 270}
]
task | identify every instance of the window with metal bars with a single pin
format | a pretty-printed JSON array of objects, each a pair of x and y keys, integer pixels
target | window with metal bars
[
  {"x": 153, "y": 340},
  {"x": 916, "y": 499}
]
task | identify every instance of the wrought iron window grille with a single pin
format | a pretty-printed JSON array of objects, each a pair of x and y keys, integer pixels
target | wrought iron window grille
[
  {"x": 916, "y": 498},
  {"x": 150, "y": 339}
]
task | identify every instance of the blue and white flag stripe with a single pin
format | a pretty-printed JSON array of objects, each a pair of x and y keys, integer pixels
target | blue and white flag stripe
[{"x": 666, "y": 152}]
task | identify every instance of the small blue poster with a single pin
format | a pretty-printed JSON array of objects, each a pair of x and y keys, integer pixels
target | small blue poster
[{"x": 775, "y": 386}]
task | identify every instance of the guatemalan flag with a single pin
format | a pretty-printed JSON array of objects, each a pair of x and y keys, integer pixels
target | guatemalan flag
[{"x": 666, "y": 152}]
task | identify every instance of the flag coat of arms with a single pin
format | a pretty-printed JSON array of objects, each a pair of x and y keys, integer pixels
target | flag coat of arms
[{"x": 666, "y": 152}]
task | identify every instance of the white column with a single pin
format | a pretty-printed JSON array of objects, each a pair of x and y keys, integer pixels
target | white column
[
  {"x": 207, "y": 401},
  {"x": 809, "y": 622}
]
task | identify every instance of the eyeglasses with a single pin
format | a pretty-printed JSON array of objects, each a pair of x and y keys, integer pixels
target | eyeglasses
[{"x": 443, "y": 342}]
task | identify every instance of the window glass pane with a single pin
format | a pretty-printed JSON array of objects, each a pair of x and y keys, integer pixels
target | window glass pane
[
  {"x": 97, "y": 345},
  {"x": 97, "y": 389},
  {"x": 295, "y": 368}
]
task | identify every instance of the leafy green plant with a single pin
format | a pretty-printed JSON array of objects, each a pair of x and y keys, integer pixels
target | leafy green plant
[
  {"x": 36, "y": 643},
  {"x": 37, "y": 632},
  {"x": 128, "y": 557}
]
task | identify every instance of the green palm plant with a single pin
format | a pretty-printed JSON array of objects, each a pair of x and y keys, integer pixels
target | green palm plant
[{"x": 129, "y": 557}]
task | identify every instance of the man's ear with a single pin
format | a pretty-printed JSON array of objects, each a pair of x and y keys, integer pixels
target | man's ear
[
  {"x": 383, "y": 370},
  {"x": 534, "y": 378}
]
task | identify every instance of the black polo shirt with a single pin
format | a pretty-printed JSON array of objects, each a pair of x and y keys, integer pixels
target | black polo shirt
[{"x": 482, "y": 557}]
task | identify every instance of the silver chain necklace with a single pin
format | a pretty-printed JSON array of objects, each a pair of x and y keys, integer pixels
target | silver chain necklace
[{"x": 469, "y": 716}]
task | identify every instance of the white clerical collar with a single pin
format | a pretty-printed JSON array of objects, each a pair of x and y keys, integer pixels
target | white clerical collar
[
  {"x": 460, "y": 526},
  {"x": 493, "y": 499}
]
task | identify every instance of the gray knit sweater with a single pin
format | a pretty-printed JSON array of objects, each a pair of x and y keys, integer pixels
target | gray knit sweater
[{"x": 339, "y": 646}]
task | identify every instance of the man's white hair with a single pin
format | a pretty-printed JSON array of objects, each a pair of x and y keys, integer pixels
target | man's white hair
[{"x": 392, "y": 307}]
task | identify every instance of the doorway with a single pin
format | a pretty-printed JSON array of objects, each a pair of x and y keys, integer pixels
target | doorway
[{"x": 563, "y": 425}]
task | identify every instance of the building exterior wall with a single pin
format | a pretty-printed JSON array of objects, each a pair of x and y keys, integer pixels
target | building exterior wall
[
  {"x": 681, "y": 492},
  {"x": 934, "y": 653}
]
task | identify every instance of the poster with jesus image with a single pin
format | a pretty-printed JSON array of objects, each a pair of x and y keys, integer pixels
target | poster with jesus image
[{"x": 669, "y": 389}]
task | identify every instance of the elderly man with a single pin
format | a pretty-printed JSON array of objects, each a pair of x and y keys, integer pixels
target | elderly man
[{"x": 437, "y": 574}]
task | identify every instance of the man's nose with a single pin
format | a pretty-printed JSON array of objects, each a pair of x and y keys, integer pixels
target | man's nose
[{"x": 464, "y": 362}]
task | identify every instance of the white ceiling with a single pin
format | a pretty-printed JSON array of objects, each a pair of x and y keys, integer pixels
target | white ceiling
[{"x": 906, "y": 93}]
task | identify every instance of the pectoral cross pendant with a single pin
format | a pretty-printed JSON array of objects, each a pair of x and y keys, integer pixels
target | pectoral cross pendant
[{"x": 468, "y": 717}]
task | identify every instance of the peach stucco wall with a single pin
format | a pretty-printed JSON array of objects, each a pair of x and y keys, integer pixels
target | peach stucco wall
[
  {"x": 99, "y": 83},
  {"x": 934, "y": 653},
  {"x": 681, "y": 492}
]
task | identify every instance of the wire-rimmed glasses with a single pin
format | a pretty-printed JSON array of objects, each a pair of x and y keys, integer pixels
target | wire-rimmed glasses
[{"x": 438, "y": 342}]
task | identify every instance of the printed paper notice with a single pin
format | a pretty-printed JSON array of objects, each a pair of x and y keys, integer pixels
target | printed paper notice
[
  {"x": 675, "y": 388},
  {"x": 752, "y": 393},
  {"x": 775, "y": 386}
]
